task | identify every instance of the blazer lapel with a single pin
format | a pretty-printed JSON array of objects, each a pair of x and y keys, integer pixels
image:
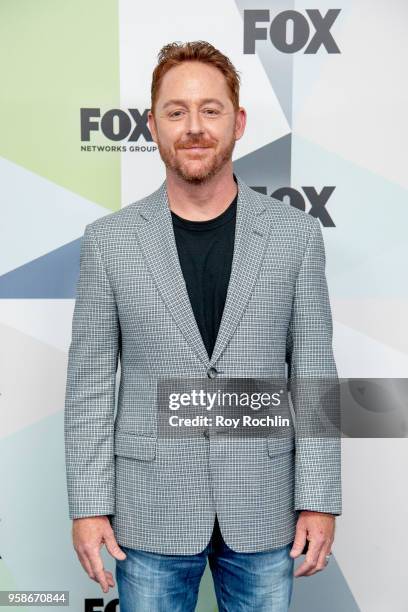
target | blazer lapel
[
  {"x": 251, "y": 237},
  {"x": 154, "y": 230}
]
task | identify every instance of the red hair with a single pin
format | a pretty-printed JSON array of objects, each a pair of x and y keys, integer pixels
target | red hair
[{"x": 175, "y": 53}]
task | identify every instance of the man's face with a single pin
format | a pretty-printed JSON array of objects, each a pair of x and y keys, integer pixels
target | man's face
[{"x": 195, "y": 125}]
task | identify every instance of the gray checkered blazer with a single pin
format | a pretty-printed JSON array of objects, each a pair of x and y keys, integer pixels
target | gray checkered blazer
[{"x": 162, "y": 494}]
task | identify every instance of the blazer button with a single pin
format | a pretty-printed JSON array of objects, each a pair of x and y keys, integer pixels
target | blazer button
[
  {"x": 206, "y": 433},
  {"x": 212, "y": 373}
]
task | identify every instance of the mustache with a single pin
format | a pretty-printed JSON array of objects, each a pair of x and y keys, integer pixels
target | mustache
[{"x": 194, "y": 143}]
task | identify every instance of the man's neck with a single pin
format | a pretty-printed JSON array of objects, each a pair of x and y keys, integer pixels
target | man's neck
[{"x": 204, "y": 201}]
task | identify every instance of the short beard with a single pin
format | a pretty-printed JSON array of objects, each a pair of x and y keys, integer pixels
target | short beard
[{"x": 202, "y": 175}]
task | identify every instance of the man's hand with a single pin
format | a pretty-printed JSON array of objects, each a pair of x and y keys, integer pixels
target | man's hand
[
  {"x": 89, "y": 534},
  {"x": 318, "y": 529}
]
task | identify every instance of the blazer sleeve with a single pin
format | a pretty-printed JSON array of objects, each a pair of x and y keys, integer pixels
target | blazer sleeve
[
  {"x": 313, "y": 383},
  {"x": 90, "y": 388}
]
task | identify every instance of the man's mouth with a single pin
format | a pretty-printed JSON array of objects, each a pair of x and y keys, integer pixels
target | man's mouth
[{"x": 195, "y": 148}]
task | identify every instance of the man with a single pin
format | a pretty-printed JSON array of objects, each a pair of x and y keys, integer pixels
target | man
[{"x": 203, "y": 278}]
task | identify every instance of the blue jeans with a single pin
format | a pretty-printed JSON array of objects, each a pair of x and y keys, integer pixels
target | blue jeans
[{"x": 243, "y": 582}]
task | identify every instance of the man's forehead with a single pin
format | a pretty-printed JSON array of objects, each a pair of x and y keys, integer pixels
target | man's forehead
[
  {"x": 194, "y": 73},
  {"x": 187, "y": 101}
]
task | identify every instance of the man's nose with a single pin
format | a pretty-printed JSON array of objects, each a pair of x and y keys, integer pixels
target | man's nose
[{"x": 195, "y": 123}]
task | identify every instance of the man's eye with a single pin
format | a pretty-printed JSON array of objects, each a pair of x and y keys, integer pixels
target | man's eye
[{"x": 211, "y": 112}]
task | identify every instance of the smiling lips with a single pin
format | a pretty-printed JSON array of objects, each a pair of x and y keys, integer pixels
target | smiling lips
[{"x": 195, "y": 148}]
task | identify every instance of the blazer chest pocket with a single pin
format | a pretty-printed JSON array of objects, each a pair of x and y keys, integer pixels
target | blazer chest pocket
[
  {"x": 135, "y": 446},
  {"x": 272, "y": 279}
]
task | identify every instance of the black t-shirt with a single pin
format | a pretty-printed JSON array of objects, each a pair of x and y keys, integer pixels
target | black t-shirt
[{"x": 205, "y": 250}]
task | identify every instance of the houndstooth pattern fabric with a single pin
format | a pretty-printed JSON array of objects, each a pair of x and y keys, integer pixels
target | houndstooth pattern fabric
[{"x": 132, "y": 316}]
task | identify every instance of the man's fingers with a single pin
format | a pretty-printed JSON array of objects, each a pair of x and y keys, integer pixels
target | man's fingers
[
  {"x": 109, "y": 578},
  {"x": 321, "y": 562},
  {"x": 113, "y": 547},
  {"x": 311, "y": 559},
  {"x": 86, "y": 565},
  {"x": 299, "y": 542},
  {"x": 98, "y": 569}
]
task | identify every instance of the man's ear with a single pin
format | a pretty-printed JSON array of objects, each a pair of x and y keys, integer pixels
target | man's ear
[
  {"x": 152, "y": 125},
  {"x": 240, "y": 122}
]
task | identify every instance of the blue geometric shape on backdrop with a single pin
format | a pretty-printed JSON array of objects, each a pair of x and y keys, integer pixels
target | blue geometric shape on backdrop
[{"x": 51, "y": 276}]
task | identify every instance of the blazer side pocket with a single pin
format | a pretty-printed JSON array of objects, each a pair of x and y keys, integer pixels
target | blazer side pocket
[
  {"x": 135, "y": 446},
  {"x": 280, "y": 445}
]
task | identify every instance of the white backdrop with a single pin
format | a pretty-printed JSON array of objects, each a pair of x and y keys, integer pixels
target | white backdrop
[{"x": 322, "y": 120}]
